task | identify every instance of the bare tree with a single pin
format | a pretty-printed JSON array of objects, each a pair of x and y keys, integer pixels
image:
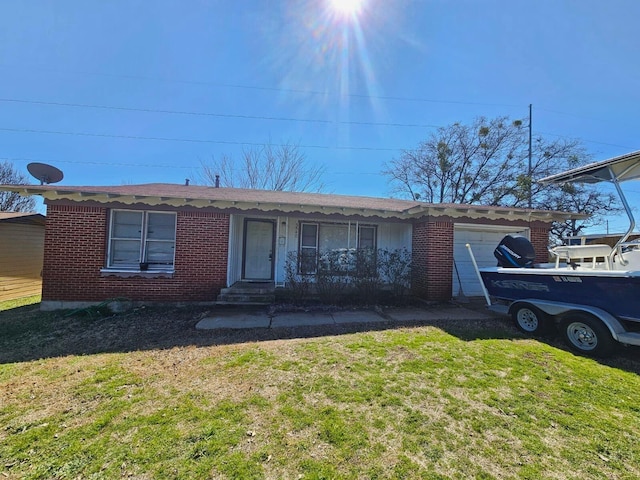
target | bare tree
[
  {"x": 575, "y": 197},
  {"x": 461, "y": 163},
  {"x": 487, "y": 163},
  {"x": 10, "y": 201},
  {"x": 270, "y": 167}
]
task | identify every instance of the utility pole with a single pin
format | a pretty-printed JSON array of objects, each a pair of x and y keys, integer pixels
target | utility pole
[{"x": 529, "y": 171}]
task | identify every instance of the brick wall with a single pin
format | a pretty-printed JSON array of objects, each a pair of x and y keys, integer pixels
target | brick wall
[
  {"x": 76, "y": 242},
  {"x": 75, "y": 252},
  {"x": 432, "y": 247},
  {"x": 539, "y": 237},
  {"x": 74, "y": 245}
]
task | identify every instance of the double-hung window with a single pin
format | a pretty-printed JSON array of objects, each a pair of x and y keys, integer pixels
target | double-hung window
[
  {"x": 317, "y": 239},
  {"x": 142, "y": 240},
  {"x": 367, "y": 237},
  {"x": 308, "y": 248}
]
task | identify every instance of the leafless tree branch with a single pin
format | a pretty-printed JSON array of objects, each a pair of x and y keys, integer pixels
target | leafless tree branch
[
  {"x": 270, "y": 167},
  {"x": 10, "y": 201}
]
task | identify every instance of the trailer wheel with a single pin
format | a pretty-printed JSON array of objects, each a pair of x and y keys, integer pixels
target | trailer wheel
[
  {"x": 587, "y": 335},
  {"x": 529, "y": 319}
]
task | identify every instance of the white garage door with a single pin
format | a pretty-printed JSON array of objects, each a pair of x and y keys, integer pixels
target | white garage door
[{"x": 483, "y": 240}]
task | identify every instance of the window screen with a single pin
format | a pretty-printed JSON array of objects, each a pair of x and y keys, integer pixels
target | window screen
[
  {"x": 308, "y": 248},
  {"x": 138, "y": 237},
  {"x": 316, "y": 239}
]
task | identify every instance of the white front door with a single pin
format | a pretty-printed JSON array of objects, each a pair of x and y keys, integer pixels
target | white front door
[{"x": 258, "y": 250}]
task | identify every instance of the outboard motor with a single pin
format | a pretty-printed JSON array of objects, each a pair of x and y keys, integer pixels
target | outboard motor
[{"x": 515, "y": 252}]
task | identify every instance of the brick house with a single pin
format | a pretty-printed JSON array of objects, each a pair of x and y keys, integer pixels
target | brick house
[{"x": 185, "y": 243}]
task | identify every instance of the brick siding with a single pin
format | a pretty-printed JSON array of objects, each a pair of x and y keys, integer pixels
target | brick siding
[
  {"x": 75, "y": 252},
  {"x": 432, "y": 245},
  {"x": 432, "y": 248},
  {"x": 76, "y": 243},
  {"x": 539, "y": 237}
]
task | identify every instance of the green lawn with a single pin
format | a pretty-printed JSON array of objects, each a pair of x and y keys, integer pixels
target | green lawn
[
  {"x": 19, "y": 302},
  {"x": 426, "y": 401}
]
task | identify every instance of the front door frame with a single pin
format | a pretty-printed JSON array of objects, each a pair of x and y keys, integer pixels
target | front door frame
[{"x": 244, "y": 248}]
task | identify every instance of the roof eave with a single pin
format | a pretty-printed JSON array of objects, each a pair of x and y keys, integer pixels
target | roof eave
[
  {"x": 61, "y": 193},
  {"x": 466, "y": 211},
  {"x": 492, "y": 213}
]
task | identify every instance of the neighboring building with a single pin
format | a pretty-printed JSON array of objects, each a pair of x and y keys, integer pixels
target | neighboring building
[
  {"x": 598, "y": 238},
  {"x": 21, "y": 253},
  {"x": 181, "y": 243}
]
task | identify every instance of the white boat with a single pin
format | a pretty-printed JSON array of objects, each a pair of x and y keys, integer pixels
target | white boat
[{"x": 590, "y": 292}]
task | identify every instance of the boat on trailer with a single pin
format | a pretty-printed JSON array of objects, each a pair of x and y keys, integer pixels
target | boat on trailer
[{"x": 590, "y": 292}]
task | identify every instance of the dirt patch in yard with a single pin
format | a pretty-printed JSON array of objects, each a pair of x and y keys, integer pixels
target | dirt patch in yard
[{"x": 27, "y": 334}]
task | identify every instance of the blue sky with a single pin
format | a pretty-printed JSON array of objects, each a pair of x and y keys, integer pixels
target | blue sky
[{"x": 351, "y": 91}]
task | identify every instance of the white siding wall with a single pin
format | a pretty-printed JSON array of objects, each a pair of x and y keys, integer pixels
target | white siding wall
[
  {"x": 394, "y": 235},
  {"x": 390, "y": 235},
  {"x": 283, "y": 245},
  {"x": 234, "y": 266}
]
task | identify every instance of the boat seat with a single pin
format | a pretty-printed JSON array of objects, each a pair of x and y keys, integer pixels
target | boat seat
[{"x": 594, "y": 251}]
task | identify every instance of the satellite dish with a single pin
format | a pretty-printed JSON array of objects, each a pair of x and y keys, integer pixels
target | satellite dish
[{"x": 45, "y": 173}]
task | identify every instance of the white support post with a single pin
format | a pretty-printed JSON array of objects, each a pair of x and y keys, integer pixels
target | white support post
[{"x": 475, "y": 266}]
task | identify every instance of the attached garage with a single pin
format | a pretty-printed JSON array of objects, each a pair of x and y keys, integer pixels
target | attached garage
[{"x": 483, "y": 240}]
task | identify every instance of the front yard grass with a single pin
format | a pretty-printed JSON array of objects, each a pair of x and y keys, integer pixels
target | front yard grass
[{"x": 450, "y": 400}]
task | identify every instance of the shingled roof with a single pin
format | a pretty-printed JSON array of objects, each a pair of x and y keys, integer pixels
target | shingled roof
[
  {"x": 22, "y": 217},
  {"x": 273, "y": 201}
]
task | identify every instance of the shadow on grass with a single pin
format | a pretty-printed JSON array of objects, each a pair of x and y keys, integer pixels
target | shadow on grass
[{"x": 27, "y": 334}]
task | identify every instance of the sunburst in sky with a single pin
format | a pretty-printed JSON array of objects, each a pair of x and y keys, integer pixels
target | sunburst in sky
[
  {"x": 347, "y": 8},
  {"x": 333, "y": 46}
]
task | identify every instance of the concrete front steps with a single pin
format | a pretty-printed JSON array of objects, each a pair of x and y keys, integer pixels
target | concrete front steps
[{"x": 248, "y": 293}]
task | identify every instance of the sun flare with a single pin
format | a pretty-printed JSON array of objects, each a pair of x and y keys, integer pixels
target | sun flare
[{"x": 346, "y": 7}]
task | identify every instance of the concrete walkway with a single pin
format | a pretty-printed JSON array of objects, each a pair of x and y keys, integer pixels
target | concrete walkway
[{"x": 239, "y": 319}]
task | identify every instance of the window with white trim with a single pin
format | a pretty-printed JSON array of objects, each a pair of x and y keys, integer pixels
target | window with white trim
[
  {"x": 308, "y": 248},
  {"x": 318, "y": 238},
  {"x": 142, "y": 240},
  {"x": 367, "y": 237}
]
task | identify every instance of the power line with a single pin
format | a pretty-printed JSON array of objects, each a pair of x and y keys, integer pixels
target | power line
[
  {"x": 107, "y": 164},
  {"x": 574, "y": 115},
  {"x": 146, "y": 165},
  {"x": 209, "y": 114},
  {"x": 251, "y": 144},
  {"x": 290, "y": 90},
  {"x": 587, "y": 141},
  {"x": 279, "y": 89},
  {"x": 240, "y": 116},
  {"x": 190, "y": 140}
]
